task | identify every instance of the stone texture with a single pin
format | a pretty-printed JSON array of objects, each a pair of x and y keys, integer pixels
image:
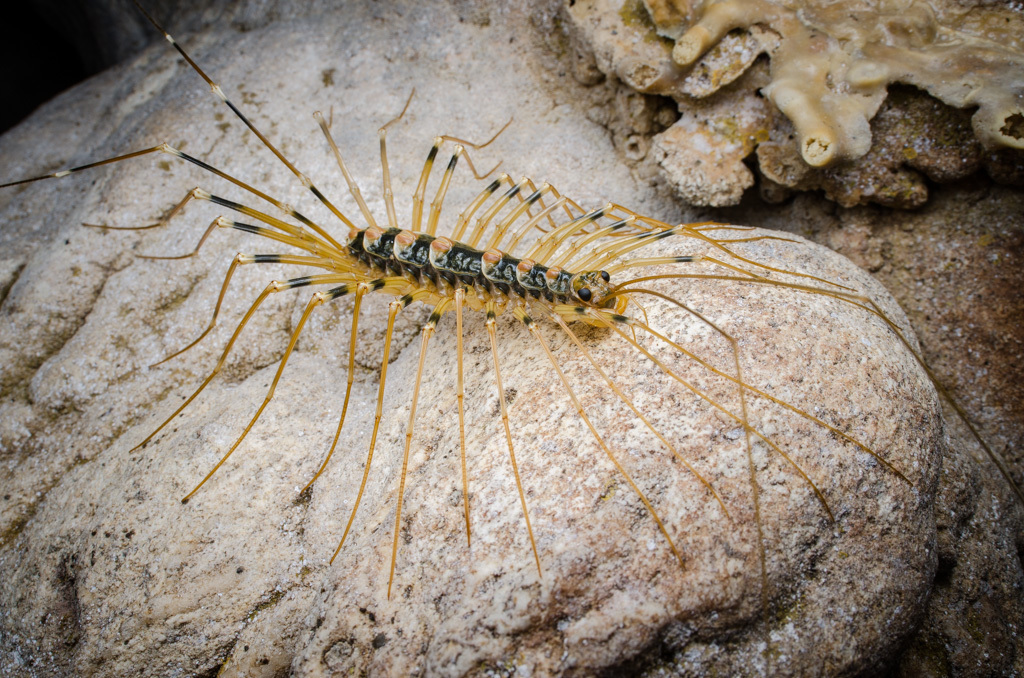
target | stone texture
[
  {"x": 859, "y": 101},
  {"x": 953, "y": 266},
  {"x": 108, "y": 574}
]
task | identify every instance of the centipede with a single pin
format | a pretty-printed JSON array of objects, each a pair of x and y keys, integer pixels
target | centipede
[{"x": 596, "y": 326}]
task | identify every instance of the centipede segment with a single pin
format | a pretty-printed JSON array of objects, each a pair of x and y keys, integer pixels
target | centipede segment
[{"x": 518, "y": 248}]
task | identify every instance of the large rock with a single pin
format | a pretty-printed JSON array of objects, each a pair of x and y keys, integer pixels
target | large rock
[{"x": 106, "y": 573}]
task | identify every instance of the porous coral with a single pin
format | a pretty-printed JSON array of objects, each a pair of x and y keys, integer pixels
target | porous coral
[{"x": 822, "y": 111}]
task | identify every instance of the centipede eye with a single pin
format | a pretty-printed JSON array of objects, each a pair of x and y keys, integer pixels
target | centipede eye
[
  {"x": 584, "y": 293},
  {"x": 605, "y": 277}
]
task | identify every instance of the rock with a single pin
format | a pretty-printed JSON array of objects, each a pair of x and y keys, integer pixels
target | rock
[
  {"x": 865, "y": 104},
  {"x": 106, "y": 573}
]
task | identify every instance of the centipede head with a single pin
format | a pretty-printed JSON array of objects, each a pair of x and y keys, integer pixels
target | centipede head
[{"x": 593, "y": 288}]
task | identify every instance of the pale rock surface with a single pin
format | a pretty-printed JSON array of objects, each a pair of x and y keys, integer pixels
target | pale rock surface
[{"x": 106, "y": 573}]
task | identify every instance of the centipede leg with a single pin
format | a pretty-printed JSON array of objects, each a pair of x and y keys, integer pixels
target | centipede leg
[
  {"x": 157, "y": 224},
  {"x": 460, "y": 296},
  {"x": 492, "y": 333},
  {"x": 467, "y": 213},
  {"x": 361, "y": 290},
  {"x": 532, "y": 327},
  {"x": 241, "y": 260},
  {"x": 274, "y": 287},
  {"x": 316, "y": 300},
  {"x": 353, "y": 187},
  {"x": 427, "y": 332},
  {"x": 219, "y": 92},
  {"x": 438, "y": 202},
  {"x": 421, "y": 187},
  {"x": 393, "y": 308},
  {"x": 388, "y": 193},
  {"x": 629, "y": 403}
]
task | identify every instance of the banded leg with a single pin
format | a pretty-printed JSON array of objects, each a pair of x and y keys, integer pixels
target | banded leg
[
  {"x": 534, "y": 222},
  {"x": 460, "y": 297},
  {"x": 389, "y": 194},
  {"x": 492, "y": 333},
  {"x": 546, "y": 246},
  {"x": 170, "y": 150},
  {"x": 561, "y": 201},
  {"x": 353, "y": 187},
  {"x": 72, "y": 170},
  {"x": 162, "y": 221},
  {"x": 427, "y": 332},
  {"x": 460, "y": 150},
  {"x": 532, "y": 327},
  {"x": 316, "y": 300},
  {"x": 393, "y": 308},
  {"x": 274, "y": 287},
  {"x": 467, "y": 213},
  {"x": 490, "y": 212},
  {"x": 576, "y": 246},
  {"x": 216, "y": 89},
  {"x": 504, "y": 224},
  {"x": 241, "y": 260},
  {"x": 361, "y": 290},
  {"x": 535, "y": 195},
  {"x": 629, "y": 403}
]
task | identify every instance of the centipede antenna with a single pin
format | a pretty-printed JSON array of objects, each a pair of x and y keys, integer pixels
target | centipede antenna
[
  {"x": 492, "y": 333},
  {"x": 768, "y": 396},
  {"x": 361, "y": 289},
  {"x": 531, "y": 326},
  {"x": 629, "y": 403},
  {"x": 718, "y": 245},
  {"x": 460, "y": 296},
  {"x": 426, "y": 333},
  {"x": 216, "y": 89},
  {"x": 316, "y": 300}
]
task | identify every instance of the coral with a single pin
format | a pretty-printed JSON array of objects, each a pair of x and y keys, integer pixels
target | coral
[{"x": 830, "y": 77}]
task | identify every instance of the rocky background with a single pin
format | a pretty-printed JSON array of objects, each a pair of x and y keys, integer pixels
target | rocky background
[{"x": 107, "y": 574}]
